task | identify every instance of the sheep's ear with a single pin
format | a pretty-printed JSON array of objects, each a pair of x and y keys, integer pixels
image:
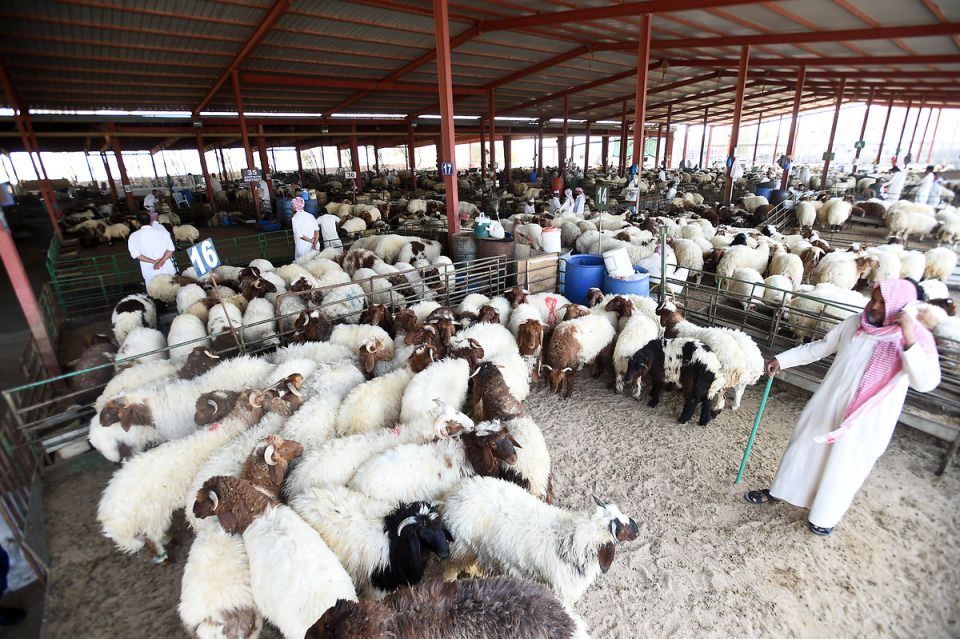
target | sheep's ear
[
  {"x": 605, "y": 555},
  {"x": 228, "y": 521},
  {"x": 599, "y": 502}
]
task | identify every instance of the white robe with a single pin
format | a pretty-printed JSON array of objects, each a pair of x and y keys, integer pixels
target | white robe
[
  {"x": 826, "y": 477},
  {"x": 923, "y": 189},
  {"x": 579, "y": 203},
  {"x": 895, "y": 185}
]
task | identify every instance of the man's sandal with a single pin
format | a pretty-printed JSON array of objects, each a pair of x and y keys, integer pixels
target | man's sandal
[
  {"x": 758, "y": 497},
  {"x": 820, "y": 532}
]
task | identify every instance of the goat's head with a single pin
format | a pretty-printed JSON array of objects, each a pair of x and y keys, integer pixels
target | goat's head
[
  {"x": 348, "y": 619},
  {"x": 267, "y": 464},
  {"x": 199, "y": 361},
  {"x": 487, "y": 446},
  {"x": 377, "y": 315},
  {"x": 128, "y": 415},
  {"x": 405, "y": 321},
  {"x": 449, "y": 421},
  {"x": 642, "y": 363},
  {"x": 373, "y": 351},
  {"x": 573, "y": 311},
  {"x": 594, "y": 297},
  {"x": 517, "y": 296},
  {"x": 471, "y": 351},
  {"x": 422, "y": 356},
  {"x": 621, "y": 527},
  {"x": 669, "y": 313},
  {"x": 488, "y": 314},
  {"x": 622, "y": 306},
  {"x": 234, "y": 501},
  {"x": 213, "y": 406},
  {"x": 446, "y": 329},
  {"x": 530, "y": 337},
  {"x": 249, "y": 274},
  {"x": 555, "y": 376},
  {"x": 411, "y": 528}
]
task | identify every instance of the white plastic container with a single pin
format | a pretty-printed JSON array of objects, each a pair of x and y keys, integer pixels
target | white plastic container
[
  {"x": 551, "y": 240},
  {"x": 618, "y": 263}
]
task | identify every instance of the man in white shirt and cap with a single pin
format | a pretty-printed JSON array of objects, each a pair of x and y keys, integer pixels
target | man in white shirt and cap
[
  {"x": 555, "y": 202},
  {"x": 150, "y": 202},
  {"x": 153, "y": 248},
  {"x": 895, "y": 185},
  {"x": 579, "y": 202},
  {"x": 306, "y": 230},
  {"x": 926, "y": 184},
  {"x": 567, "y": 201},
  {"x": 328, "y": 231},
  {"x": 263, "y": 192},
  {"x": 528, "y": 207}
]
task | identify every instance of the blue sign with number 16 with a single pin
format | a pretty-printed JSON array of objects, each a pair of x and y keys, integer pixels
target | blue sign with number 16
[{"x": 204, "y": 257}]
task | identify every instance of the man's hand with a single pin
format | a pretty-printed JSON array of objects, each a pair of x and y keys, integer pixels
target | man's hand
[
  {"x": 906, "y": 327},
  {"x": 773, "y": 367}
]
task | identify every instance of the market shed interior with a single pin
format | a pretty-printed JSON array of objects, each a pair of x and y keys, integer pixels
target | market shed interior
[{"x": 758, "y": 165}]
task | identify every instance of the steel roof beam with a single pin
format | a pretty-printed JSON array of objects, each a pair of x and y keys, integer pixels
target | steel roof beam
[
  {"x": 605, "y": 13},
  {"x": 263, "y": 29},
  {"x": 376, "y": 85},
  {"x": 660, "y": 89},
  {"x": 848, "y": 61}
]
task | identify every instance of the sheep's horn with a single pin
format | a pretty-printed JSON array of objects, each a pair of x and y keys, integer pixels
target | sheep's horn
[
  {"x": 211, "y": 354},
  {"x": 293, "y": 389},
  {"x": 599, "y": 502},
  {"x": 370, "y": 348},
  {"x": 268, "y": 455},
  {"x": 213, "y": 404},
  {"x": 474, "y": 374},
  {"x": 409, "y": 521},
  {"x": 567, "y": 369},
  {"x": 215, "y": 499}
]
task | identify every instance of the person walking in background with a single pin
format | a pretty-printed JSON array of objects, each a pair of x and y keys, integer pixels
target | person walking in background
[{"x": 849, "y": 421}]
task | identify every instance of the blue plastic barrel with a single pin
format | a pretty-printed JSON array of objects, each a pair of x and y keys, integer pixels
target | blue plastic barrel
[
  {"x": 764, "y": 192},
  {"x": 311, "y": 206},
  {"x": 581, "y": 273},
  {"x": 286, "y": 209},
  {"x": 640, "y": 286}
]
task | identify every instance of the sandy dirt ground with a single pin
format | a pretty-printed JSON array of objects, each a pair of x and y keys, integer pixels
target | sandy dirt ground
[{"x": 706, "y": 563}]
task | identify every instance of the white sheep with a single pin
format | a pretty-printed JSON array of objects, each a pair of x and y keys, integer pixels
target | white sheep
[
  {"x": 637, "y": 332},
  {"x": 294, "y": 575},
  {"x": 131, "y": 312},
  {"x": 186, "y": 333},
  {"x": 836, "y": 212},
  {"x": 825, "y": 300},
  {"x": 315, "y": 421},
  {"x": 445, "y": 381},
  {"x": 888, "y": 265},
  {"x": 789, "y": 265},
  {"x": 507, "y": 530},
  {"x": 137, "y": 506},
  {"x": 743, "y": 257},
  {"x": 264, "y": 265},
  {"x": 189, "y": 295},
  {"x": 746, "y": 286},
  {"x": 112, "y": 232},
  {"x": 290, "y": 273},
  {"x": 913, "y": 264},
  {"x": 141, "y": 345},
  {"x": 117, "y": 444},
  {"x": 224, "y": 318},
  {"x": 689, "y": 255},
  {"x": 907, "y": 218},
  {"x": 840, "y": 268},
  {"x": 941, "y": 262},
  {"x": 778, "y": 290},
  {"x": 531, "y": 470},
  {"x": 806, "y": 214},
  {"x": 752, "y": 202},
  {"x": 373, "y": 405},
  {"x": 186, "y": 233},
  {"x": 494, "y": 338},
  {"x": 343, "y": 303},
  {"x": 472, "y": 303},
  {"x": 575, "y": 343},
  {"x": 259, "y": 325},
  {"x": 548, "y": 305}
]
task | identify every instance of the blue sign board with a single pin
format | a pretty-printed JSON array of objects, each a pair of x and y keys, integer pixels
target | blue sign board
[
  {"x": 204, "y": 257},
  {"x": 446, "y": 168}
]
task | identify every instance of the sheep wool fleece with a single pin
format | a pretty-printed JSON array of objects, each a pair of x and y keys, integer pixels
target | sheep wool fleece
[{"x": 825, "y": 477}]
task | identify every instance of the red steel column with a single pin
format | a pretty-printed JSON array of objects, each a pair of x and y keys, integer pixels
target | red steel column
[
  {"x": 246, "y": 139},
  {"x": 737, "y": 113},
  {"x": 623, "y": 140},
  {"x": 28, "y": 301},
  {"x": 483, "y": 150},
  {"x": 493, "y": 134},
  {"x": 668, "y": 151},
  {"x": 264, "y": 163},
  {"x": 605, "y": 151},
  {"x": 506, "y": 157},
  {"x": 299, "y": 163},
  {"x": 776, "y": 141},
  {"x": 124, "y": 180},
  {"x": 906, "y": 116},
  {"x": 113, "y": 187},
  {"x": 703, "y": 136},
  {"x": 756, "y": 141},
  {"x": 656, "y": 153},
  {"x": 224, "y": 176},
  {"x": 412, "y": 156},
  {"x": 883, "y": 136},
  {"x": 933, "y": 137},
  {"x": 916, "y": 125},
  {"x": 794, "y": 121},
  {"x": 863, "y": 127},
  {"x": 923, "y": 138},
  {"x": 643, "y": 64},
  {"x": 709, "y": 144},
  {"x": 833, "y": 133},
  {"x": 540, "y": 149},
  {"x": 586, "y": 150},
  {"x": 686, "y": 137},
  {"x": 563, "y": 140},
  {"x": 445, "y": 85},
  {"x": 206, "y": 172},
  {"x": 355, "y": 157},
  {"x": 376, "y": 157}
]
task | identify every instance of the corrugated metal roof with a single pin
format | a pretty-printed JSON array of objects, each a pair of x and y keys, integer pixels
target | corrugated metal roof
[{"x": 152, "y": 54}]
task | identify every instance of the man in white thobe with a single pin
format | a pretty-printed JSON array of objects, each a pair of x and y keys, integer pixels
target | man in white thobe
[
  {"x": 849, "y": 421},
  {"x": 579, "y": 202},
  {"x": 263, "y": 192},
  {"x": 150, "y": 202},
  {"x": 923, "y": 189},
  {"x": 895, "y": 185},
  {"x": 306, "y": 230},
  {"x": 529, "y": 208},
  {"x": 153, "y": 248},
  {"x": 555, "y": 202}
]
